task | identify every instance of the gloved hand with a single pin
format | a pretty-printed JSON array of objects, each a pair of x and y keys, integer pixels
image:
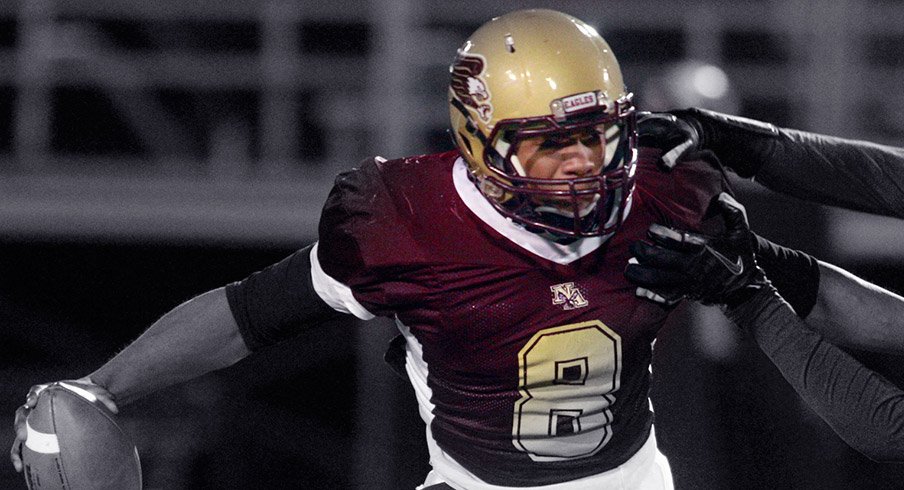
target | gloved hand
[
  {"x": 741, "y": 144},
  {"x": 674, "y": 135},
  {"x": 677, "y": 264},
  {"x": 31, "y": 400}
]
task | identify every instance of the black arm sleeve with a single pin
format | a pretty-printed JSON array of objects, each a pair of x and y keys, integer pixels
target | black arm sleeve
[
  {"x": 862, "y": 407},
  {"x": 794, "y": 273},
  {"x": 273, "y": 304},
  {"x": 840, "y": 172}
]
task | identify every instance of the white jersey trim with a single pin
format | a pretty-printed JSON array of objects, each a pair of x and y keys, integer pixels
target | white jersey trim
[
  {"x": 533, "y": 243},
  {"x": 334, "y": 293},
  {"x": 417, "y": 371}
]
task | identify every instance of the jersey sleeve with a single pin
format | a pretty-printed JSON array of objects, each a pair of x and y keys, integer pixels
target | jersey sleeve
[
  {"x": 861, "y": 406},
  {"x": 347, "y": 271},
  {"x": 365, "y": 251},
  {"x": 351, "y": 269},
  {"x": 274, "y": 303}
]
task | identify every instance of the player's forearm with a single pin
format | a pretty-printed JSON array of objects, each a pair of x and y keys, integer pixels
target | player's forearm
[
  {"x": 861, "y": 406},
  {"x": 840, "y": 172},
  {"x": 195, "y": 338},
  {"x": 846, "y": 309},
  {"x": 855, "y": 313}
]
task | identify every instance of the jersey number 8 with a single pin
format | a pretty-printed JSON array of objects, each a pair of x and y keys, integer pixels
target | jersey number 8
[{"x": 567, "y": 377}]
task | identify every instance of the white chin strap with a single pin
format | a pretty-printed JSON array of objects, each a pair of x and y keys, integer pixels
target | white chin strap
[
  {"x": 612, "y": 141},
  {"x": 616, "y": 205},
  {"x": 502, "y": 147}
]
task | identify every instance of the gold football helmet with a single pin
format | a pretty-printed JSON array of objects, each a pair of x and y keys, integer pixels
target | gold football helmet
[{"x": 543, "y": 73}]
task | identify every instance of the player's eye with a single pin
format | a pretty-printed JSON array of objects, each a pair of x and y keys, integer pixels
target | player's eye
[
  {"x": 590, "y": 139},
  {"x": 554, "y": 143},
  {"x": 586, "y": 138}
]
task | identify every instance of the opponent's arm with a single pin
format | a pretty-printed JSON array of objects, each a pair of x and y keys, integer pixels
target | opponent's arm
[
  {"x": 849, "y": 311},
  {"x": 855, "y": 313},
  {"x": 853, "y": 174},
  {"x": 862, "y": 407}
]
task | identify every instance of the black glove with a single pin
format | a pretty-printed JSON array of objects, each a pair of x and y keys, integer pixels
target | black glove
[
  {"x": 675, "y": 136},
  {"x": 714, "y": 270},
  {"x": 741, "y": 144}
]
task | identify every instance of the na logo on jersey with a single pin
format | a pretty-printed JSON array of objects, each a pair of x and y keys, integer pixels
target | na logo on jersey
[
  {"x": 568, "y": 296},
  {"x": 468, "y": 84}
]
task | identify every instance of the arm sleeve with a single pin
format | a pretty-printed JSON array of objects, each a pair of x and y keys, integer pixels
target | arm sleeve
[
  {"x": 852, "y": 174},
  {"x": 862, "y": 407},
  {"x": 794, "y": 273},
  {"x": 275, "y": 303}
]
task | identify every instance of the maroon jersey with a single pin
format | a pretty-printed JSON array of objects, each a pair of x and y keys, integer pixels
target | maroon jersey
[{"x": 530, "y": 359}]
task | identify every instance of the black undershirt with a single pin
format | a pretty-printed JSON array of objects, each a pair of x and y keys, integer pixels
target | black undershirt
[{"x": 275, "y": 303}]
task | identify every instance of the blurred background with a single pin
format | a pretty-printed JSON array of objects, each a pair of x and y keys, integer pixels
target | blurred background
[{"x": 150, "y": 151}]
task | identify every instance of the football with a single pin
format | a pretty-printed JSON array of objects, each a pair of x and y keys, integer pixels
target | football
[{"x": 74, "y": 443}]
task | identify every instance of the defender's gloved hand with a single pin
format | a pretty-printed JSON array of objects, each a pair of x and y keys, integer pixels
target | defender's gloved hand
[
  {"x": 714, "y": 270},
  {"x": 675, "y": 136},
  {"x": 741, "y": 144}
]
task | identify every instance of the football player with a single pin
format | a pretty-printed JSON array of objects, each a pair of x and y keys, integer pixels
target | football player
[
  {"x": 501, "y": 263},
  {"x": 853, "y": 174},
  {"x": 862, "y": 407}
]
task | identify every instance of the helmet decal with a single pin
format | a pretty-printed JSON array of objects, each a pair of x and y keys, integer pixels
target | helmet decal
[{"x": 468, "y": 84}]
